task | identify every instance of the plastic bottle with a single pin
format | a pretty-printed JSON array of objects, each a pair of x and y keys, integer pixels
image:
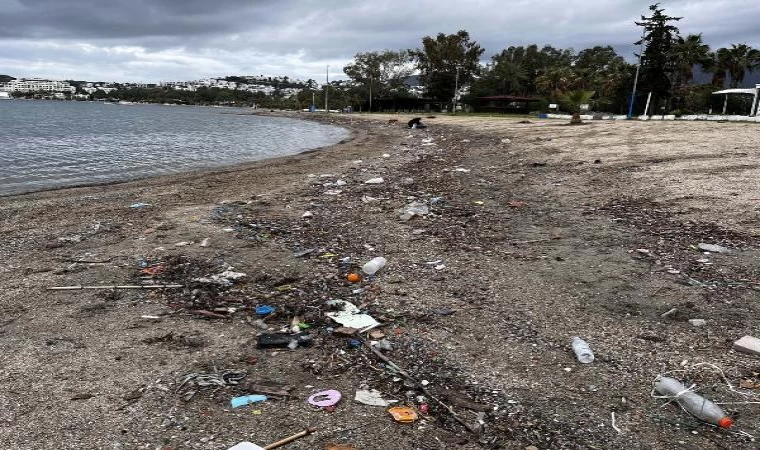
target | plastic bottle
[
  {"x": 693, "y": 403},
  {"x": 582, "y": 350},
  {"x": 374, "y": 265}
]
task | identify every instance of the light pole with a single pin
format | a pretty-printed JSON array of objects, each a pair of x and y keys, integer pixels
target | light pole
[
  {"x": 370, "y": 93},
  {"x": 327, "y": 87},
  {"x": 456, "y": 90},
  {"x": 636, "y": 79}
]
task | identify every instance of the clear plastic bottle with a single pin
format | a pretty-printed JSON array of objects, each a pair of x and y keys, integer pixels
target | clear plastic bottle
[
  {"x": 582, "y": 350},
  {"x": 374, "y": 265},
  {"x": 695, "y": 404}
]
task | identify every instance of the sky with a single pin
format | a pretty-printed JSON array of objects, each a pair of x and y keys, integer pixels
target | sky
[{"x": 163, "y": 40}]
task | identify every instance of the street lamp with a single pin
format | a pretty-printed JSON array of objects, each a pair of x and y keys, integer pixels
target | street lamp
[{"x": 636, "y": 79}]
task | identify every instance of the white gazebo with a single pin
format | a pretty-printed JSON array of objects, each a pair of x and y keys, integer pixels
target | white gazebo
[{"x": 750, "y": 91}]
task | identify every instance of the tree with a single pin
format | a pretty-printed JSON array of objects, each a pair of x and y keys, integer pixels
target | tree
[
  {"x": 737, "y": 60},
  {"x": 448, "y": 60},
  {"x": 573, "y": 100},
  {"x": 687, "y": 53},
  {"x": 381, "y": 73},
  {"x": 656, "y": 63}
]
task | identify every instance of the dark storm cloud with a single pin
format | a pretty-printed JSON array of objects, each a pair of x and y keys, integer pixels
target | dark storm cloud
[{"x": 180, "y": 39}]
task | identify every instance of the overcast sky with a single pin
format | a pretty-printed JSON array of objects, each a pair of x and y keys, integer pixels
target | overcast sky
[{"x": 158, "y": 40}]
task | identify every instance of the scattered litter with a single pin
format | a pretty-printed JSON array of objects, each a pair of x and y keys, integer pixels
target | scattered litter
[
  {"x": 247, "y": 400},
  {"x": 691, "y": 402},
  {"x": 307, "y": 214},
  {"x": 370, "y": 397},
  {"x": 697, "y": 322},
  {"x": 378, "y": 180},
  {"x": 461, "y": 169},
  {"x": 369, "y": 199},
  {"x": 345, "y": 331},
  {"x": 248, "y": 446},
  {"x": 333, "y": 192},
  {"x": 264, "y": 310},
  {"x": 205, "y": 242},
  {"x": 303, "y": 253},
  {"x": 506, "y": 141},
  {"x": 403, "y": 414},
  {"x": 354, "y": 277},
  {"x": 225, "y": 278},
  {"x": 281, "y": 340},
  {"x": 515, "y": 204},
  {"x": 713, "y": 248},
  {"x": 383, "y": 344},
  {"x": 582, "y": 350},
  {"x": 377, "y": 334},
  {"x": 413, "y": 209},
  {"x": 386, "y": 155},
  {"x": 374, "y": 265},
  {"x": 479, "y": 202},
  {"x": 140, "y": 205},
  {"x": 183, "y": 243},
  {"x": 324, "y": 399},
  {"x": 194, "y": 382},
  {"x": 351, "y": 316},
  {"x": 748, "y": 344},
  {"x": 436, "y": 201},
  {"x": 341, "y": 183},
  {"x": 245, "y": 445}
]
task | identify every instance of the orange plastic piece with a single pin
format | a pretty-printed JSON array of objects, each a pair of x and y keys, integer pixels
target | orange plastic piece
[
  {"x": 726, "y": 422},
  {"x": 403, "y": 414},
  {"x": 354, "y": 277}
]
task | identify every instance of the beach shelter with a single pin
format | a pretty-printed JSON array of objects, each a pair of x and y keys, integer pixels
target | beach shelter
[{"x": 749, "y": 91}]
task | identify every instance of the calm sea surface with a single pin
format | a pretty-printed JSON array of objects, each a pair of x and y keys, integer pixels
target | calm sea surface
[{"x": 49, "y": 144}]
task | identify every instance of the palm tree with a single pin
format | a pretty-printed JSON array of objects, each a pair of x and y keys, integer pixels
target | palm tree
[
  {"x": 554, "y": 80},
  {"x": 737, "y": 60},
  {"x": 573, "y": 101},
  {"x": 687, "y": 53}
]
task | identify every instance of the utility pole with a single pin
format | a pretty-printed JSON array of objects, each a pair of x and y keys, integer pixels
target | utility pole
[
  {"x": 636, "y": 79},
  {"x": 370, "y": 93},
  {"x": 456, "y": 90},
  {"x": 327, "y": 87}
]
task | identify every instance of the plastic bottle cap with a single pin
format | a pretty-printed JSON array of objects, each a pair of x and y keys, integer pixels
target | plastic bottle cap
[{"x": 725, "y": 422}]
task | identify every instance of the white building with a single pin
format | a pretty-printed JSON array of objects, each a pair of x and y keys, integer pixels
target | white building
[{"x": 36, "y": 85}]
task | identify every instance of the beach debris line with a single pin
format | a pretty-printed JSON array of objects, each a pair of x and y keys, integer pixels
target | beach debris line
[
  {"x": 371, "y": 397},
  {"x": 237, "y": 402},
  {"x": 350, "y": 315},
  {"x": 195, "y": 382}
]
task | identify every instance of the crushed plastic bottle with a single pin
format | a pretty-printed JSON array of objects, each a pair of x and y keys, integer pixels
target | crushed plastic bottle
[
  {"x": 693, "y": 403},
  {"x": 374, "y": 265},
  {"x": 582, "y": 350}
]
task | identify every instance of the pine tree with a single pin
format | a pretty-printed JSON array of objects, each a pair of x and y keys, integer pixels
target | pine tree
[{"x": 657, "y": 67}]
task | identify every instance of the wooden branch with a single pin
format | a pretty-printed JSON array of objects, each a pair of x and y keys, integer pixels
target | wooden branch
[
  {"x": 290, "y": 439},
  {"x": 147, "y": 286},
  {"x": 403, "y": 373}
]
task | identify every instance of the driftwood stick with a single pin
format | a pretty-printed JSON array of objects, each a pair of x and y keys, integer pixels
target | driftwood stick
[
  {"x": 147, "y": 286},
  {"x": 287, "y": 440},
  {"x": 424, "y": 390}
]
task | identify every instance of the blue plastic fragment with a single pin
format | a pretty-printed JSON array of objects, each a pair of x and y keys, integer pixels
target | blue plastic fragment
[
  {"x": 263, "y": 310},
  {"x": 246, "y": 400},
  {"x": 354, "y": 343}
]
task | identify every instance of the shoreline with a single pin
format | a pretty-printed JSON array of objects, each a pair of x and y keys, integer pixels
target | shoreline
[
  {"x": 201, "y": 171},
  {"x": 533, "y": 240}
]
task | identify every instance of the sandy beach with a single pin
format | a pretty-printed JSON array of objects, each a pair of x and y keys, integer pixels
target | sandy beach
[{"x": 538, "y": 232}]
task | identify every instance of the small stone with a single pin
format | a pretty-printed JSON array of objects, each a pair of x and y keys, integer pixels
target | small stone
[
  {"x": 748, "y": 344},
  {"x": 345, "y": 331},
  {"x": 376, "y": 334},
  {"x": 506, "y": 141},
  {"x": 712, "y": 248},
  {"x": 697, "y": 322},
  {"x": 407, "y": 181},
  {"x": 531, "y": 447}
]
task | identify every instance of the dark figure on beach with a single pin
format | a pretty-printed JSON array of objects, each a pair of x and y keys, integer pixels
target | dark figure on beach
[{"x": 416, "y": 123}]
